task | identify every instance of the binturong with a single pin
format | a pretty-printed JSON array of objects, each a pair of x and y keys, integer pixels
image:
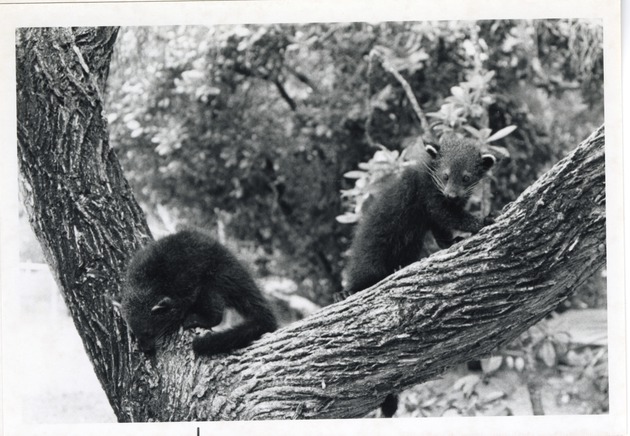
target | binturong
[
  {"x": 188, "y": 279},
  {"x": 429, "y": 195}
]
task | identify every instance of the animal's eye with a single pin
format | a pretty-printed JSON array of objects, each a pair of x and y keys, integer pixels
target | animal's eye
[
  {"x": 445, "y": 176},
  {"x": 466, "y": 178}
]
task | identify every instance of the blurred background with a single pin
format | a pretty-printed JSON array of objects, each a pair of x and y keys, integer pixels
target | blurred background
[{"x": 270, "y": 137}]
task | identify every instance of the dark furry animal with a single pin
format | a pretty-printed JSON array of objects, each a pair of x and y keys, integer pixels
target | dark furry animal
[
  {"x": 427, "y": 196},
  {"x": 188, "y": 279}
]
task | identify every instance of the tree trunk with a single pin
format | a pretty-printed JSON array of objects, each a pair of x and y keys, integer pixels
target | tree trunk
[
  {"x": 457, "y": 305},
  {"x": 79, "y": 204}
]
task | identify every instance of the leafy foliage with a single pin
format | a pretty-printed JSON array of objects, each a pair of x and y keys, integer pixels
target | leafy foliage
[
  {"x": 248, "y": 130},
  {"x": 465, "y": 107}
]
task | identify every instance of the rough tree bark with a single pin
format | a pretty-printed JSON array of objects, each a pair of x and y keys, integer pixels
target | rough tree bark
[{"x": 457, "y": 305}]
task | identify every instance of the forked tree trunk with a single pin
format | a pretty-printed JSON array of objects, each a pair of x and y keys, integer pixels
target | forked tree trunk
[{"x": 454, "y": 306}]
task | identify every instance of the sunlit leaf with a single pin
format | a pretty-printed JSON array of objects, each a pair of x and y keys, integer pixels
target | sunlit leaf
[
  {"x": 458, "y": 92},
  {"x": 136, "y": 132},
  {"x": 493, "y": 396},
  {"x": 347, "y": 218},
  {"x": 356, "y": 174},
  {"x": 500, "y": 150},
  {"x": 440, "y": 115},
  {"x": 385, "y": 155},
  {"x": 485, "y": 133},
  {"x": 192, "y": 75},
  {"x": 467, "y": 384},
  {"x": 491, "y": 364},
  {"x": 349, "y": 192},
  {"x": 470, "y": 129},
  {"x": 509, "y": 361},
  {"x": 133, "y": 124},
  {"x": 501, "y": 133},
  {"x": 547, "y": 354}
]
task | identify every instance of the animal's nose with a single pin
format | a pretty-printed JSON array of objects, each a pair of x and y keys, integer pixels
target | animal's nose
[{"x": 450, "y": 195}]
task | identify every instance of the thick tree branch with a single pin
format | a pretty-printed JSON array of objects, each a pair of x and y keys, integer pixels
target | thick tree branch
[
  {"x": 456, "y": 305},
  {"x": 80, "y": 205},
  {"x": 340, "y": 362}
]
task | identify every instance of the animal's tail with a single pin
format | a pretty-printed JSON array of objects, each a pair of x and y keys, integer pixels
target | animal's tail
[{"x": 236, "y": 337}]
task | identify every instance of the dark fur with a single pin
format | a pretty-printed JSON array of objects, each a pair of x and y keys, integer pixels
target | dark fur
[
  {"x": 391, "y": 232},
  {"x": 188, "y": 279}
]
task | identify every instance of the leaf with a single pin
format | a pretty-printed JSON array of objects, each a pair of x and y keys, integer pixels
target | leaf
[
  {"x": 501, "y": 133},
  {"x": 500, "y": 150},
  {"x": 489, "y": 75},
  {"x": 470, "y": 129},
  {"x": 493, "y": 396},
  {"x": 385, "y": 155},
  {"x": 132, "y": 124},
  {"x": 459, "y": 93},
  {"x": 192, "y": 75},
  {"x": 547, "y": 353},
  {"x": 509, "y": 361},
  {"x": 347, "y": 218},
  {"x": 137, "y": 132},
  {"x": 356, "y": 174},
  {"x": 491, "y": 364},
  {"x": 213, "y": 90},
  {"x": 485, "y": 133},
  {"x": 467, "y": 384},
  {"x": 429, "y": 402},
  {"x": 436, "y": 115}
]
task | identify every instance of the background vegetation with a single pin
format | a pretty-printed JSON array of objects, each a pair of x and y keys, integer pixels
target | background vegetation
[{"x": 248, "y": 131}]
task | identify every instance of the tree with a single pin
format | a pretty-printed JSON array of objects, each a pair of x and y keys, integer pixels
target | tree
[{"x": 341, "y": 362}]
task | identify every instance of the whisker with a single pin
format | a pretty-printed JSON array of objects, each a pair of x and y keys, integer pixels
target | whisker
[
  {"x": 437, "y": 181},
  {"x": 470, "y": 189}
]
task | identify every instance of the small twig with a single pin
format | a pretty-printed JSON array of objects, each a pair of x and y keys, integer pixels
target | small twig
[
  {"x": 284, "y": 94},
  {"x": 248, "y": 72},
  {"x": 368, "y": 120},
  {"x": 302, "y": 77},
  {"x": 406, "y": 87}
]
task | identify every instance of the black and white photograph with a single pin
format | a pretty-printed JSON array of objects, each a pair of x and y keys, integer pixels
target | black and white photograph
[{"x": 332, "y": 220}]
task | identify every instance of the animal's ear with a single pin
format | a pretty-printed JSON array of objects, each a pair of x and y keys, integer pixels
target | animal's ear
[
  {"x": 163, "y": 305},
  {"x": 432, "y": 149},
  {"x": 487, "y": 161}
]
